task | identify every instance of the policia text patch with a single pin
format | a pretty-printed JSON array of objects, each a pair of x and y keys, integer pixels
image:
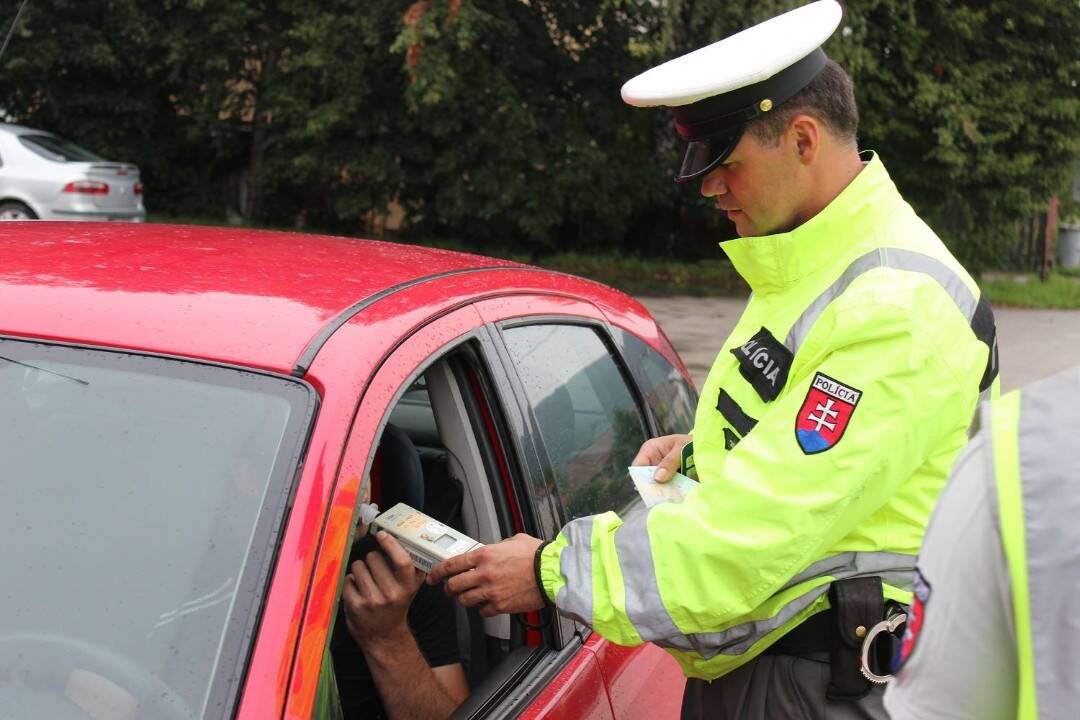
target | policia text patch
[{"x": 764, "y": 362}]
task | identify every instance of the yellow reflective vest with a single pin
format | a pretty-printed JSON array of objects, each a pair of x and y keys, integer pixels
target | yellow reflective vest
[
  {"x": 1037, "y": 482},
  {"x": 823, "y": 434}
]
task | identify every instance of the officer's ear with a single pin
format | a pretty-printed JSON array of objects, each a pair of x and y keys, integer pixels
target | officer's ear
[{"x": 805, "y": 134}]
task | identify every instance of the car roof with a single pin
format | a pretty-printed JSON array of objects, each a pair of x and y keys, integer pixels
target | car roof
[
  {"x": 23, "y": 130},
  {"x": 248, "y": 297}
]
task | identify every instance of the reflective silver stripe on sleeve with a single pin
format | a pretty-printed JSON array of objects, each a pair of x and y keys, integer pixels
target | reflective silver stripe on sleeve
[
  {"x": 575, "y": 598},
  {"x": 898, "y": 566},
  {"x": 653, "y": 622},
  {"x": 1050, "y": 486},
  {"x": 738, "y": 639},
  {"x": 644, "y": 608},
  {"x": 896, "y": 259}
]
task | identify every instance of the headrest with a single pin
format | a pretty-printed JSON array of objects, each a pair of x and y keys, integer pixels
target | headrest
[{"x": 397, "y": 474}]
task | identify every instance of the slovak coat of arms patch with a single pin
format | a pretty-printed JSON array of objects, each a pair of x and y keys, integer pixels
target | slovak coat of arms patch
[{"x": 825, "y": 414}]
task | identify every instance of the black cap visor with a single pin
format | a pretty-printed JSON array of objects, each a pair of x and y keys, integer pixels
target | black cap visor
[
  {"x": 714, "y": 125},
  {"x": 704, "y": 155}
]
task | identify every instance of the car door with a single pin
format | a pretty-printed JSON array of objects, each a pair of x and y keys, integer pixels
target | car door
[
  {"x": 459, "y": 348},
  {"x": 595, "y": 392},
  {"x": 552, "y": 671}
]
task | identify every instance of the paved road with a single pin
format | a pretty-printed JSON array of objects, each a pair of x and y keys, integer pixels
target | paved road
[{"x": 1032, "y": 343}]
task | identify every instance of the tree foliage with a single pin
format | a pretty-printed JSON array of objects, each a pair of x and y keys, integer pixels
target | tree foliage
[{"x": 499, "y": 123}]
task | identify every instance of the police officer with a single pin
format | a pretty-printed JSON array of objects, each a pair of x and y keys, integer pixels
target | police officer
[
  {"x": 827, "y": 423},
  {"x": 1007, "y": 525}
]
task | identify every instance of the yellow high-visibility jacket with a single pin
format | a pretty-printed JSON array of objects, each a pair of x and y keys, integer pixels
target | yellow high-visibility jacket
[{"x": 824, "y": 432}]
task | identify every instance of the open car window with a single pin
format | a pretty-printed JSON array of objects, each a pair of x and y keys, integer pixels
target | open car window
[
  {"x": 515, "y": 427},
  {"x": 445, "y": 449}
]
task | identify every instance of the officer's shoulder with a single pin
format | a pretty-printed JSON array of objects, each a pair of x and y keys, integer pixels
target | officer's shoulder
[
  {"x": 908, "y": 296},
  {"x": 896, "y": 306},
  {"x": 914, "y": 275}
]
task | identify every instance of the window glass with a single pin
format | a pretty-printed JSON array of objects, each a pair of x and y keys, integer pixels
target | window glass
[
  {"x": 57, "y": 149},
  {"x": 671, "y": 398},
  {"x": 587, "y": 417},
  {"x": 142, "y": 496}
]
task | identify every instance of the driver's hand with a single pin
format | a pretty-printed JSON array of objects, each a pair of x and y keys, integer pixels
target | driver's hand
[{"x": 377, "y": 593}]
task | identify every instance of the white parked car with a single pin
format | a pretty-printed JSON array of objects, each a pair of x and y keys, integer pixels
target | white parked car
[{"x": 45, "y": 176}]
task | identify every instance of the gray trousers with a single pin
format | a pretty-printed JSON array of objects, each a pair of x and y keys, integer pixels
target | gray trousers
[{"x": 776, "y": 687}]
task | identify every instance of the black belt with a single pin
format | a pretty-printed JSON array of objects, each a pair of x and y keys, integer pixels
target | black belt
[
  {"x": 856, "y": 605},
  {"x": 812, "y": 636}
]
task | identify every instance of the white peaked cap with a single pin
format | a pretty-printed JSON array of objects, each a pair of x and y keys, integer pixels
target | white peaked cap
[
  {"x": 715, "y": 91},
  {"x": 747, "y": 57}
]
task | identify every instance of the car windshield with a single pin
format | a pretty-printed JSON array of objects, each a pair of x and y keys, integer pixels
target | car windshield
[
  {"x": 141, "y": 501},
  {"x": 58, "y": 149}
]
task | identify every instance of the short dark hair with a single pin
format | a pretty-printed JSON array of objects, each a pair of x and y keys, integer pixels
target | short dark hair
[{"x": 829, "y": 98}]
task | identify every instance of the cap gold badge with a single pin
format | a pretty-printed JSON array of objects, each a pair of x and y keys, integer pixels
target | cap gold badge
[{"x": 765, "y": 105}]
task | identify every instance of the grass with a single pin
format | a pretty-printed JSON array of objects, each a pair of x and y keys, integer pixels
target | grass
[
  {"x": 1061, "y": 290},
  {"x": 637, "y": 276},
  {"x": 1069, "y": 271}
]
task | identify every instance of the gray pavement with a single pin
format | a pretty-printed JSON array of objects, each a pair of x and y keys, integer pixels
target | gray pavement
[{"x": 1032, "y": 343}]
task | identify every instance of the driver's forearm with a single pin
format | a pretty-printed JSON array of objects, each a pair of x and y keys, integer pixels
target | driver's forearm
[{"x": 406, "y": 683}]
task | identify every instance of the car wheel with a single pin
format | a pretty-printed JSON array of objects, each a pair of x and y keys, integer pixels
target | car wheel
[{"x": 12, "y": 210}]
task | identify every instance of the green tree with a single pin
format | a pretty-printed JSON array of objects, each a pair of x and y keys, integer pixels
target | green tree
[
  {"x": 225, "y": 58},
  {"x": 340, "y": 135},
  {"x": 499, "y": 123},
  {"x": 524, "y": 137},
  {"x": 973, "y": 105}
]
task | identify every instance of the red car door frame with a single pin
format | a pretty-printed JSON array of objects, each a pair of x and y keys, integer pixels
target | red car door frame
[
  {"x": 642, "y": 681},
  {"x": 594, "y": 673}
]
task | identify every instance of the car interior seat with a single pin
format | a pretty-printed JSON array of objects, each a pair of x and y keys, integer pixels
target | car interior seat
[{"x": 397, "y": 475}]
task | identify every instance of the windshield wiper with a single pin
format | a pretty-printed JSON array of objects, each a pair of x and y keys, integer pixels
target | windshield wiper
[{"x": 41, "y": 369}]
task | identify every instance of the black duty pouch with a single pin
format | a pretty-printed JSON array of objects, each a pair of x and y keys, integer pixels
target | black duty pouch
[{"x": 857, "y": 605}]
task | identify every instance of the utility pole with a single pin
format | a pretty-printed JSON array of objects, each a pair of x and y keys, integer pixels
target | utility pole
[{"x": 1048, "y": 239}]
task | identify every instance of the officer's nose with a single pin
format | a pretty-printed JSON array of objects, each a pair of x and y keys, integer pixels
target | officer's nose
[{"x": 713, "y": 184}]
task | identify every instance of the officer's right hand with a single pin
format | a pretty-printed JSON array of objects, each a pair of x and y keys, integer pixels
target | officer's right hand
[{"x": 665, "y": 452}]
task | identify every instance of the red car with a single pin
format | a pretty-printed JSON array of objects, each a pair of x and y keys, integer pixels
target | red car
[{"x": 185, "y": 418}]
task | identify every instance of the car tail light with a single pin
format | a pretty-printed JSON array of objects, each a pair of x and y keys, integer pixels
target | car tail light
[
  {"x": 87, "y": 187},
  {"x": 137, "y": 189}
]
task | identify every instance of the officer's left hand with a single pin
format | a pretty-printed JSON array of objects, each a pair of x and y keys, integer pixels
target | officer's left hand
[
  {"x": 377, "y": 593},
  {"x": 665, "y": 453},
  {"x": 499, "y": 578}
]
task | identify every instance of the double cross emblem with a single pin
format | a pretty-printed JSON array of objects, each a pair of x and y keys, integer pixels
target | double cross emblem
[{"x": 827, "y": 414}]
